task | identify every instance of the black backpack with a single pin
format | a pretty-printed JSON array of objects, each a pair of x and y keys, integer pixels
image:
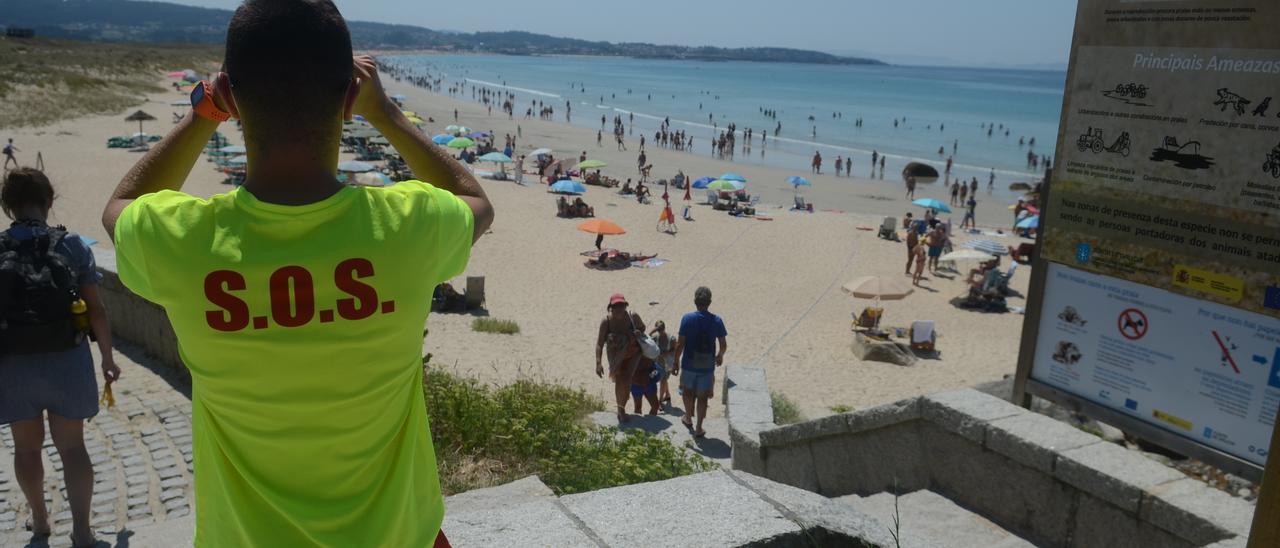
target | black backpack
[{"x": 37, "y": 289}]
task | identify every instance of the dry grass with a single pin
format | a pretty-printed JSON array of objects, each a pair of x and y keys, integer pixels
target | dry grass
[{"x": 51, "y": 80}]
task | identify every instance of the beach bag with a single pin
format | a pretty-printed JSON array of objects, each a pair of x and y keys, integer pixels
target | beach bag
[
  {"x": 37, "y": 289},
  {"x": 648, "y": 347}
]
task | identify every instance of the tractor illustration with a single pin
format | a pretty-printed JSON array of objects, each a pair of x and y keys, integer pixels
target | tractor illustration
[
  {"x": 1137, "y": 91},
  {"x": 1272, "y": 165},
  {"x": 1092, "y": 140}
]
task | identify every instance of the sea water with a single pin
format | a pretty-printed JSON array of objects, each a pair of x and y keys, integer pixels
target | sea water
[{"x": 947, "y": 108}]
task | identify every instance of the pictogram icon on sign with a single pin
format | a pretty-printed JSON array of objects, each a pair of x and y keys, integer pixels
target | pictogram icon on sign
[{"x": 1132, "y": 324}]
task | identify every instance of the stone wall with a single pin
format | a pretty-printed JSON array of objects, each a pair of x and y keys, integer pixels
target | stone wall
[
  {"x": 1038, "y": 477},
  {"x": 133, "y": 318}
]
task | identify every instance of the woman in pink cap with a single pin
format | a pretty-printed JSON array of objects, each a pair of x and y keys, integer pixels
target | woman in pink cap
[{"x": 618, "y": 332}]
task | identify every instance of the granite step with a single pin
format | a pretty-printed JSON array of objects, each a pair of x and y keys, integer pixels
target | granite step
[
  {"x": 929, "y": 519},
  {"x": 714, "y": 446}
]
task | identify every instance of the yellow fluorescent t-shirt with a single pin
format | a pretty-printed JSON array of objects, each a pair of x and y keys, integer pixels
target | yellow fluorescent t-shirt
[{"x": 302, "y": 329}]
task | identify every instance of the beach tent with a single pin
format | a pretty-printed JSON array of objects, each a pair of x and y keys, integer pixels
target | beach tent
[{"x": 702, "y": 182}]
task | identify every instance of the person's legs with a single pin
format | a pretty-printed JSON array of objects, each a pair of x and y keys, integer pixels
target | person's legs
[
  {"x": 28, "y": 437},
  {"x": 702, "y": 413},
  {"x": 637, "y": 394},
  {"x": 77, "y": 472},
  {"x": 652, "y": 395},
  {"x": 687, "y": 395},
  {"x": 622, "y": 393}
]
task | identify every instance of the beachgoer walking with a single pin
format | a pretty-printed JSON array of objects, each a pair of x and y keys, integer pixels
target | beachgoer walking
[
  {"x": 315, "y": 240},
  {"x": 970, "y": 214},
  {"x": 9, "y": 149},
  {"x": 817, "y": 162},
  {"x": 881, "y": 166},
  {"x": 839, "y": 165},
  {"x": 617, "y": 336},
  {"x": 913, "y": 240},
  {"x": 520, "y": 170},
  {"x": 45, "y": 365},
  {"x": 666, "y": 360},
  {"x": 918, "y": 253},
  {"x": 911, "y": 187},
  {"x": 955, "y": 193},
  {"x": 936, "y": 239},
  {"x": 848, "y": 166},
  {"x": 699, "y": 350},
  {"x": 991, "y": 182}
]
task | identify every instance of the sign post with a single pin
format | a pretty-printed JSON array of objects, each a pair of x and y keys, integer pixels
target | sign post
[{"x": 1155, "y": 298}]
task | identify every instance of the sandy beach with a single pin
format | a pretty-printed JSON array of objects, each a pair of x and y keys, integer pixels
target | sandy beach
[{"x": 776, "y": 282}]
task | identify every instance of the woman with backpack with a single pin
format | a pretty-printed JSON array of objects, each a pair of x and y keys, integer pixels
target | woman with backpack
[{"x": 48, "y": 301}]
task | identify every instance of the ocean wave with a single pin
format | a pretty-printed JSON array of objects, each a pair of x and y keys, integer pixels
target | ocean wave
[{"x": 513, "y": 88}]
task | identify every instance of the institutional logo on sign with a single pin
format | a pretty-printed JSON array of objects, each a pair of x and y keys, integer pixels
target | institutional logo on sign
[
  {"x": 1274, "y": 380},
  {"x": 1083, "y": 253}
]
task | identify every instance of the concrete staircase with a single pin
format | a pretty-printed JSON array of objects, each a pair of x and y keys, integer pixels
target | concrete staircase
[
  {"x": 714, "y": 446},
  {"x": 929, "y": 519}
]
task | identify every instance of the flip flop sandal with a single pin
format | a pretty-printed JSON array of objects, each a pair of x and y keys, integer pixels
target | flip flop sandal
[
  {"x": 31, "y": 529},
  {"x": 700, "y": 435},
  {"x": 687, "y": 424}
]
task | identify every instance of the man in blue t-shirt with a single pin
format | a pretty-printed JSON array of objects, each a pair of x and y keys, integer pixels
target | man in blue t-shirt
[{"x": 701, "y": 332}]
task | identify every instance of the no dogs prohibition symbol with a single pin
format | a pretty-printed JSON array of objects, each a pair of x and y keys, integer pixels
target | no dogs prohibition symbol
[{"x": 1132, "y": 324}]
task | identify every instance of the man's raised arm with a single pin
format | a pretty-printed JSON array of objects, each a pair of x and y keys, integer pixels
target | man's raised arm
[{"x": 428, "y": 162}]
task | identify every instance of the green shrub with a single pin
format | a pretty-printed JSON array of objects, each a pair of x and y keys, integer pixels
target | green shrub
[
  {"x": 492, "y": 325},
  {"x": 841, "y": 408},
  {"x": 487, "y": 436},
  {"x": 785, "y": 411}
]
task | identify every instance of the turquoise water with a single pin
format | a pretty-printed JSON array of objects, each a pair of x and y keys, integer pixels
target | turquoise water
[{"x": 941, "y": 106}]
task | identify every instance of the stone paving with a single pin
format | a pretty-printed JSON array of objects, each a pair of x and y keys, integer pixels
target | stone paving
[{"x": 140, "y": 449}]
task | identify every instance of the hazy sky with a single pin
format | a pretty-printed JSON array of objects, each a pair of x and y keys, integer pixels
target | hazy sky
[{"x": 970, "y": 32}]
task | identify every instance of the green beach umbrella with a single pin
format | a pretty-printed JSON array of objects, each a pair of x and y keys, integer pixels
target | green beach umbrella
[
  {"x": 726, "y": 185},
  {"x": 461, "y": 142},
  {"x": 496, "y": 157},
  {"x": 591, "y": 164}
]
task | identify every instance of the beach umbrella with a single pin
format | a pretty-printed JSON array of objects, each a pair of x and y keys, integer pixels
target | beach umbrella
[
  {"x": 414, "y": 120},
  {"x": 1030, "y": 222},
  {"x": 233, "y": 149},
  {"x": 702, "y": 182},
  {"x": 442, "y": 139},
  {"x": 452, "y": 128},
  {"x": 478, "y": 135},
  {"x": 540, "y": 152},
  {"x": 602, "y": 227},
  {"x": 496, "y": 157},
  {"x": 967, "y": 255},
  {"x": 731, "y": 176},
  {"x": 591, "y": 164},
  {"x": 238, "y": 161},
  {"x": 930, "y": 203},
  {"x": 139, "y": 117},
  {"x": 354, "y": 166},
  {"x": 567, "y": 186},
  {"x": 879, "y": 288},
  {"x": 798, "y": 181},
  {"x": 726, "y": 185},
  {"x": 987, "y": 246},
  {"x": 460, "y": 142}
]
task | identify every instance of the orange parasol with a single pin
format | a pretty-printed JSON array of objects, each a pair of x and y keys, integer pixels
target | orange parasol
[{"x": 601, "y": 226}]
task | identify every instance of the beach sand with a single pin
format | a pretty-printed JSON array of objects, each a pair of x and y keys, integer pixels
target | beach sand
[{"x": 776, "y": 283}]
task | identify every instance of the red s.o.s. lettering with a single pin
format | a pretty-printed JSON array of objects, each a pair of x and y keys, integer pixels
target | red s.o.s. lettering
[
  {"x": 364, "y": 301},
  {"x": 234, "y": 312},
  {"x": 292, "y": 307}
]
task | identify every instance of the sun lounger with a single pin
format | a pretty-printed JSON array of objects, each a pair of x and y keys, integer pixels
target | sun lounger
[
  {"x": 923, "y": 336},
  {"x": 889, "y": 229},
  {"x": 475, "y": 292}
]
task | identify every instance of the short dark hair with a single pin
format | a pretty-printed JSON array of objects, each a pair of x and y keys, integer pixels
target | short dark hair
[
  {"x": 24, "y": 187},
  {"x": 289, "y": 62},
  {"x": 702, "y": 296}
]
